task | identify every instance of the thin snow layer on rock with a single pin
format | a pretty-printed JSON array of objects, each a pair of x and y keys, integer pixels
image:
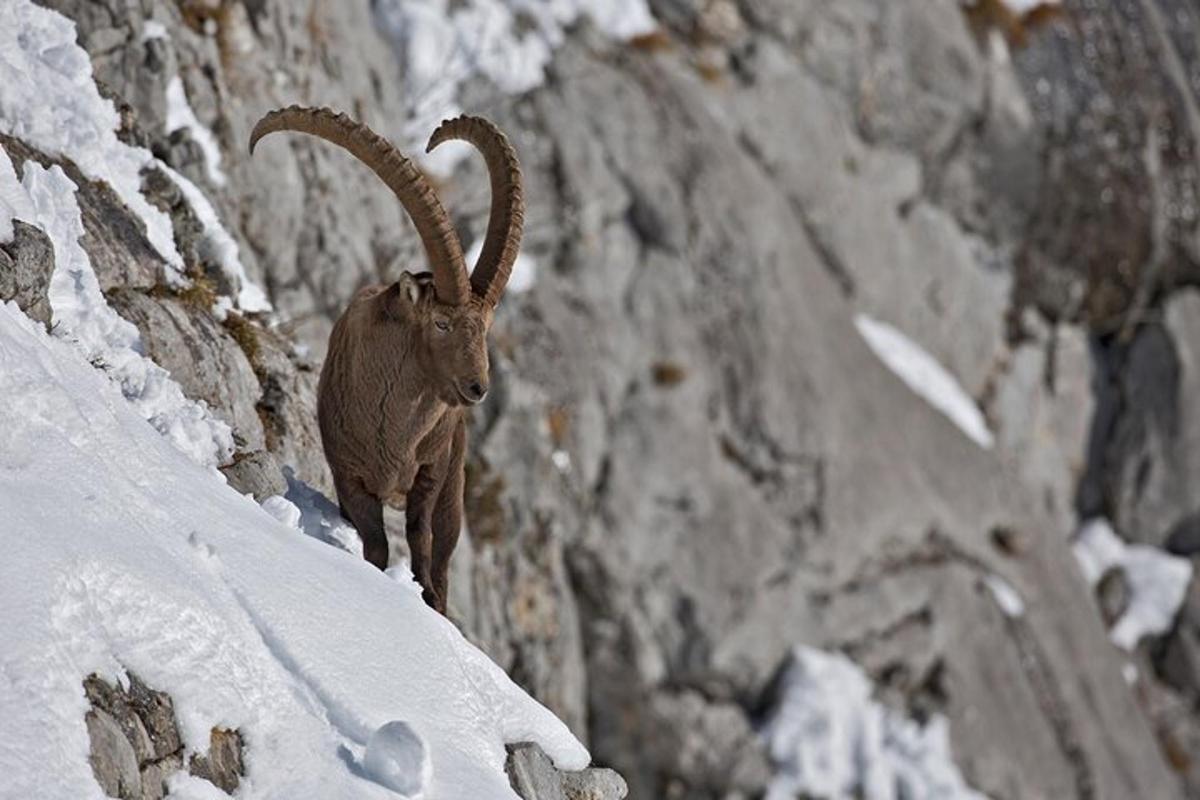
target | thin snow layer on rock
[
  {"x": 443, "y": 44},
  {"x": 134, "y": 558},
  {"x": 48, "y": 99},
  {"x": 1158, "y": 581},
  {"x": 14, "y": 199},
  {"x": 81, "y": 315},
  {"x": 829, "y": 739},
  {"x": 180, "y": 116},
  {"x": 524, "y": 270},
  {"x": 220, "y": 246},
  {"x": 926, "y": 377},
  {"x": 1005, "y": 595}
]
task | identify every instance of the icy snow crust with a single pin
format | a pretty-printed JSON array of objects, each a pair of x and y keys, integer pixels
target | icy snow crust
[
  {"x": 1158, "y": 581},
  {"x": 508, "y": 42},
  {"x": 829, "y": 739},
  {"x": 134, "y": 558},
  {"x": 923, "y": 374}
]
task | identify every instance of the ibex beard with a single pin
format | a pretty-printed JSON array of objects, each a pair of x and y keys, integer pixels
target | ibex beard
[{"x": 406, "y": 361}]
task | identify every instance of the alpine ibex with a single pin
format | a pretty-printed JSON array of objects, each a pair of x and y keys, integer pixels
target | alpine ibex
[{"x": 407, "y": 360}]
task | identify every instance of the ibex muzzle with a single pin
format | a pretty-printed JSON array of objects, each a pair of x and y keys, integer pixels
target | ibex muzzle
[{"x": 405, "y": 361}]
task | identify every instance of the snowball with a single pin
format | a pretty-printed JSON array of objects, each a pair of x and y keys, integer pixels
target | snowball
[{"x": 398, "y": 759}]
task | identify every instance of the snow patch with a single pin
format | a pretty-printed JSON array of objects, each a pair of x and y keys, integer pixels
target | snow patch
[
  {"x": 398, "y": 758},
  {"x": 828, "y": 738},
  {"x": 153, "y": 29},
  {"x": 441, "y": 45},
  {"x": 81, "y": 314},
  {"x": 219, "y": 246},
  {"x": 1158, "y": 581},
  {"x": 926, "y": 377},
  {"x": 180, "y": 116},
  {"x": 1005, "y": 595},
  {"x": 134, "y": 558},
  {"x": 14, "y": 200},
  {"x": 48, "y": 98}
]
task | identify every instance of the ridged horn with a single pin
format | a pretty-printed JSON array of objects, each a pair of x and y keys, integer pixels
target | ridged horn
[
  {"x": 507, "y": 219},
  {"x": 410, "y": 187}
]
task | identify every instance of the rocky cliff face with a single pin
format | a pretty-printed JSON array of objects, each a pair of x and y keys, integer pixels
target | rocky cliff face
[{"x": 692, "y": 460}]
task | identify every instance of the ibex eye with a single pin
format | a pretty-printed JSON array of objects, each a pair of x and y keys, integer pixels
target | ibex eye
[{"x": 441, "y": 324}]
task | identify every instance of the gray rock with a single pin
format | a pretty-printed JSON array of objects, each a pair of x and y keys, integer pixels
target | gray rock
[
  {"x": 181, "y": 335},
  {"x": 136, "y": 746},
  {"x": 114, "y": 239},
  {"x": 287, "y": 406},
  {"x": 223, "y": 765},
  {"x": 112, "y": 757},
  {"x": 256, "y": 474},
  {"x": 1112, "y": 592},
  {"x": 534, "y": 777},
  {"x": 26, "y": 264}
]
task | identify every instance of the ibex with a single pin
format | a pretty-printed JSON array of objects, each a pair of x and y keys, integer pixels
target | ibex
[{"x": 407, "y": 360}]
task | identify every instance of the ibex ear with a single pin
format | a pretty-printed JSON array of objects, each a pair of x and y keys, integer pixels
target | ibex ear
[{"x": 411, "y": 288}]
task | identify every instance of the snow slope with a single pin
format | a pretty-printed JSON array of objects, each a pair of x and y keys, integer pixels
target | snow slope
[{"x": 122, "y": 554}]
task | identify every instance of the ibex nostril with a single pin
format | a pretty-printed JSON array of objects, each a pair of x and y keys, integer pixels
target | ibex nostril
[{"x": 478, "y": 390}]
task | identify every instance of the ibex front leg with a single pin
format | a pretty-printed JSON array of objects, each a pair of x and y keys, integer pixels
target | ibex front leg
[
  {"x": 366, "y": 512},
  {"x": 448, "y": 514},
  {"x": 418, "y": 513}
]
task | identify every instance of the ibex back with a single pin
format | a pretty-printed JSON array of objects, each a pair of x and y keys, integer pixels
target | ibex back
[{"x": 407, "y": 360}]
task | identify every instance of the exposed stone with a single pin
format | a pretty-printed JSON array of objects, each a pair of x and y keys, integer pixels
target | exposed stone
[
  {"x": 201, "y": 355},
  {"x": 1112, "y": 592},
  {"x": 223, "y": 765},
  {"x": 26, "y": 264},
  {"x": 136, "y": 747},
  {"x": 256, "y": 474},
  {"x": 534, "y": 777},
  {"x": 112, "y": 757}
]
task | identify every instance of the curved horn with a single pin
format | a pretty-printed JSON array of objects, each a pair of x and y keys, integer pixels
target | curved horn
[
  {"x": 503, "y": 238},
  {"x": 401, "y": 176}
]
